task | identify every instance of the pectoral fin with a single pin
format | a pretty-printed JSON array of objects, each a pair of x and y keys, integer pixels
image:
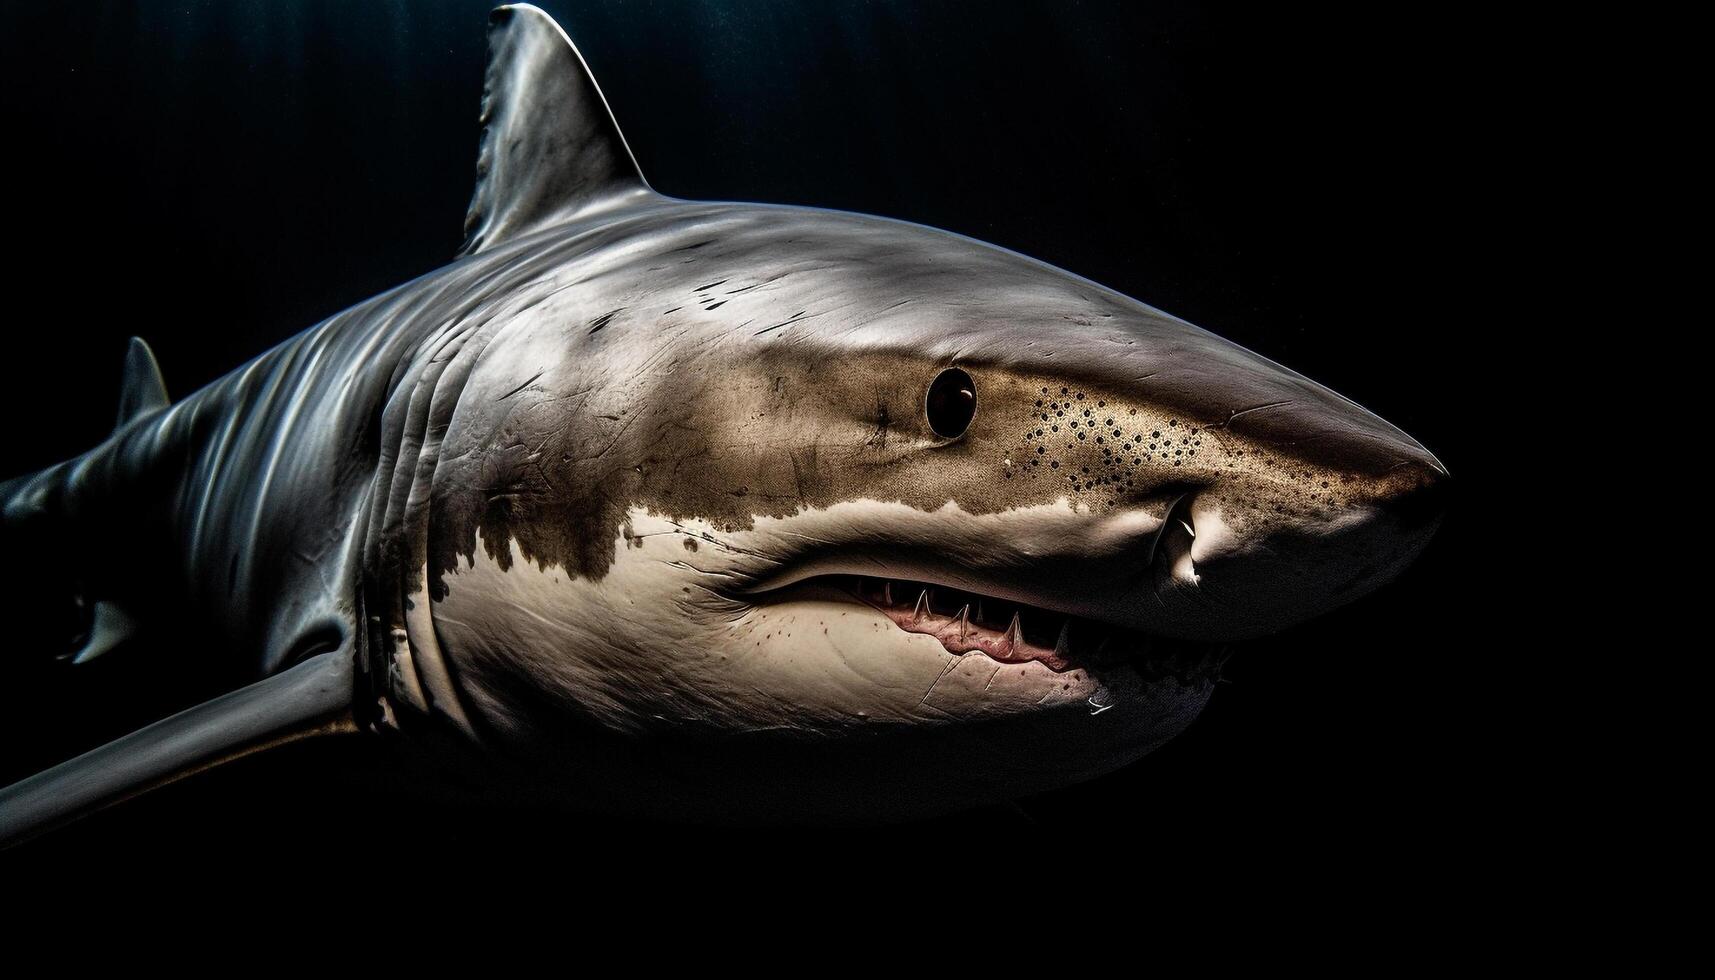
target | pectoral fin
[{"x": 313, "y": 698}]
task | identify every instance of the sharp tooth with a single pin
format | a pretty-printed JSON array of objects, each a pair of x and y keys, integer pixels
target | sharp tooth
[
  {"x": 1063, "y": 643},
  {"x": 1015, "y": 633},
  {"x": 922, "y": 608},
  {"x": 964, "y": 621},
  {"x": 887, "y": 591},
  {"x": 978, "y": 615}
]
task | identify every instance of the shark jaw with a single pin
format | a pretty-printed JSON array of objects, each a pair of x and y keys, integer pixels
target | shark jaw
[
  {"x": 668, "y": 680},
  {"x": 718, "y": 629},
  {"x": 1011, "y": 632}
]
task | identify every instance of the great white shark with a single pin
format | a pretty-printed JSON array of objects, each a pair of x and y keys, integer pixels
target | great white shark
[{"x": 722, "y": 511}]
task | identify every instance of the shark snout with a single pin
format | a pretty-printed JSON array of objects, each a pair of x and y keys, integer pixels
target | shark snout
[
  {"x": 1263, "y": 550},
  {"x": 1418, "y": 498}
]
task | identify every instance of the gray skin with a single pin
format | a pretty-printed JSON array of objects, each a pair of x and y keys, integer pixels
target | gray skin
[{"x": 605, "y": 505}]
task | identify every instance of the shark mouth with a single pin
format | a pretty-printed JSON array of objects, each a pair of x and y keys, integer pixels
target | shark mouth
[{"x": 1016, "y": 633}]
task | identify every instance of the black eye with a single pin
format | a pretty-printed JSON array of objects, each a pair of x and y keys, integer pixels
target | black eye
[{"x": 952, "y": 403}]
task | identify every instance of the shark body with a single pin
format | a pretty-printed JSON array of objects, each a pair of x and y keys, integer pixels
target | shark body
[{"x": 719, "y": 510}]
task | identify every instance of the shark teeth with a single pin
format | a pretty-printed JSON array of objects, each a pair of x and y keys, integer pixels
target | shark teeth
[
  {"x": 1015, "y": 633},
  {"x": 966, "y": 622},
  {"x": 1063, "y": 640}
]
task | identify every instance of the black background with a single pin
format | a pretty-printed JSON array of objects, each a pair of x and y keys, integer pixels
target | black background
[{"x": 216, "y": 177}]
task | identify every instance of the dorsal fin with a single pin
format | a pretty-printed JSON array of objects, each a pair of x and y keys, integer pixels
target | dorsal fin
[
  {"x": 142, "y": 388},
  {"x": 550, "y": 147}
]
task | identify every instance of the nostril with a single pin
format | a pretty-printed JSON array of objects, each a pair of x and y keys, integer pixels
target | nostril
[{"x": 1170, "y": 552}]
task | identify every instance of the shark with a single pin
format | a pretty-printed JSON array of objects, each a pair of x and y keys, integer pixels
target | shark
[{"x": 715, "y": 511}]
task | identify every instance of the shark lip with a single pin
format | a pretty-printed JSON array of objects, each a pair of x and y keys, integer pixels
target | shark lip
[{"x": 1015, "y": 633}]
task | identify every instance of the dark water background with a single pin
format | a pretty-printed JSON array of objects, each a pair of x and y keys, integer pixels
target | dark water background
[{"x": 218, "y": 176}]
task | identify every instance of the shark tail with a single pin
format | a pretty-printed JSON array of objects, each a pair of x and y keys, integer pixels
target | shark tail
[{"x": 38, "y": 511}]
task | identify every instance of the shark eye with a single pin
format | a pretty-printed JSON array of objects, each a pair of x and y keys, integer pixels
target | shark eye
[{"x": 952, "y": 403}]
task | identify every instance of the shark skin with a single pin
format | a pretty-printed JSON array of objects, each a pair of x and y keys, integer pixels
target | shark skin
[{"x": 718, "y": 511}]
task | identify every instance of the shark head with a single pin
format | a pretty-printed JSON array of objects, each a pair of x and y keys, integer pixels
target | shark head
[{"x": 780, "y": 511}]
